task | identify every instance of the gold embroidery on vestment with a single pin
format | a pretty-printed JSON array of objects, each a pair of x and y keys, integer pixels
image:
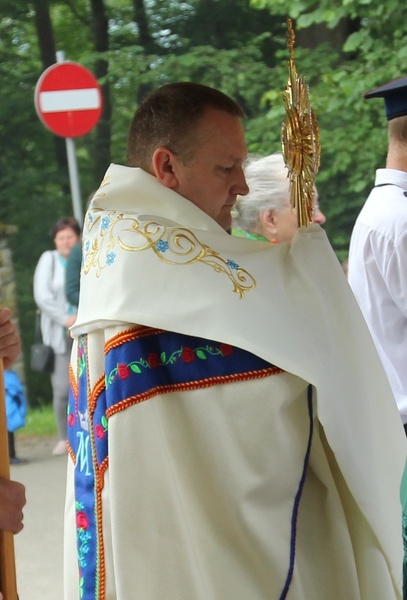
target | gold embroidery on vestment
[{"x": 173, "y": 245}]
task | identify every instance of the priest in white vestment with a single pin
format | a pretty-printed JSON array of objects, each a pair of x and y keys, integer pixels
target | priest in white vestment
[{"x": 232, "y": 434}]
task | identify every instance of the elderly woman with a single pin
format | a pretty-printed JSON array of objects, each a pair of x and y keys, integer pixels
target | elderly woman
[{"x": 265, "y": 213}]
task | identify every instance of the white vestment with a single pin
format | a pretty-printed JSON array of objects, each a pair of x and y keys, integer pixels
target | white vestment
[{"x": 277, "y": 478}]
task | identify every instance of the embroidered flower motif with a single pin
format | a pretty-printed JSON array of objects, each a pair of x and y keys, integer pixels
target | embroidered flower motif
[
  {"x": 232, "y": 264},
  {"x": 101, "y": 428},
  {"x": 81, "y": 356},
  {"x": 123, "y": 371},
  {"x": 162, "y": 246},
  {"x": 83, "y": 535},
  {"x": 87, "y": 246},
  {"x": 105, "y": 223},
  {"x": 71, "y": 420},
  {"x": 187, "y": 355},
  {"x": 82, "y": 520},
  {"x": 99, "y": 432},
  {"x": 153, "y": 360},
  {"x": 110, "y": 258},
  {"x": 226, "y": 349},
  {"x": 83, "y": 538}
]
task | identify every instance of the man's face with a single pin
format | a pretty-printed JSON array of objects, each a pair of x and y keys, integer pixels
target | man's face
[{"x": 214, "y": 176}]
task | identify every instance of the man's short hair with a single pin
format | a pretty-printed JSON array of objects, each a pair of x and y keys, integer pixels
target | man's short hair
[{"x": 169, "y": 116}]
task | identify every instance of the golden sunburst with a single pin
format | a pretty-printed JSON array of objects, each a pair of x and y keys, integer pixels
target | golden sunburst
[{"x": 299, "y": 139}]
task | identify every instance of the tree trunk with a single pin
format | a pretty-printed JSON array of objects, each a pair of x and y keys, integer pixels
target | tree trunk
[
  {"x": 140, "y": 17},
  {"x": 46, "y": 45},
  {"x": 146, "y": 40},
  {"x": 100, "y": 31}
]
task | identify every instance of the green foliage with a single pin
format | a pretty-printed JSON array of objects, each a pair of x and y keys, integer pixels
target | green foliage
[
  {"x": 40, "y": 422},
  {"x": 353, "y": 131}
]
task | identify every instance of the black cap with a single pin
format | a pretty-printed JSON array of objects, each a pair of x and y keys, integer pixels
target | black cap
[{"x": 395, "y": 97}]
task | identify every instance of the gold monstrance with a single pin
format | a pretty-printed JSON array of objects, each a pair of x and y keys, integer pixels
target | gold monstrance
[{"x": 299, "y": 139}]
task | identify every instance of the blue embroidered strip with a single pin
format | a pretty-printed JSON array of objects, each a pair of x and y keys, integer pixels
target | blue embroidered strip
[{"x": 139, "y": 364}]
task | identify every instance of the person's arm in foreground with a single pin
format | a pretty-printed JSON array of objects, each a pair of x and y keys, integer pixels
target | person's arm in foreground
[
  {"x": 10, "y": 346},
  {"x": 12, "y": 501},
  {"x": 12, "y": 493}
]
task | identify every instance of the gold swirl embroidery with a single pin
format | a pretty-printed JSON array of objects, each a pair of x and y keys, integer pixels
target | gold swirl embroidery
[{"x": 172, "y": 245}]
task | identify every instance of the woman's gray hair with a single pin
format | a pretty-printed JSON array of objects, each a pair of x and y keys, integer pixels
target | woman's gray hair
[{"x": 269, "y": 189}]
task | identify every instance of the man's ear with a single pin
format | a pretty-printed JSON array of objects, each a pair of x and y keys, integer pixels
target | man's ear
[
  {"x": 269, "y": 220},
  {"x": 163, "y": 167}
]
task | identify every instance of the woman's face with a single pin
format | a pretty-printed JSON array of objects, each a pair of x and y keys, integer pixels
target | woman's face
[
  {"x": 285, "y": 225},
  {"x": 65, "y": 240},
  {"x": 281, "y": 225}
]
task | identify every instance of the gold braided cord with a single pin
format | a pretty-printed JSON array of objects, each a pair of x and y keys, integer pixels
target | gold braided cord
[{"x": 299, "y": 139}]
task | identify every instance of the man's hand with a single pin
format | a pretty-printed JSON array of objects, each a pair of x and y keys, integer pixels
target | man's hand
[
  {"x": 10, "y": 346},
  {"x": 12, "y": 501}
]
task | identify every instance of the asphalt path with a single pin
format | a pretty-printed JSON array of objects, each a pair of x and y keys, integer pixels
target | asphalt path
[{"x": 38, "y": 547}]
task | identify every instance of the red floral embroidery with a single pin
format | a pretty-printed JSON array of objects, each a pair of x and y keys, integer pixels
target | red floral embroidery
[
  {"x": 188, "y": 355},
  {"x": 71, "y": 420},
  {"x": 123, "y": 371},
  {"x": 226, "y": 349},
  {"x": 153, "y": 360},
  {"x": 82, "y": 520},
  {"x": 100, "y": 432}
]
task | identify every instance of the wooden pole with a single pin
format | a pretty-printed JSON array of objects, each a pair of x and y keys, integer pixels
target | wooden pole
[{"x": 8, "y": 580}]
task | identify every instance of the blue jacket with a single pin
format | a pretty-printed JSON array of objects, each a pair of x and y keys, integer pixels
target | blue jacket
[{"x": 16, "y": 402}]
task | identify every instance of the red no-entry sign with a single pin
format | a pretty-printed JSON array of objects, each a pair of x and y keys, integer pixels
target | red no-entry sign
[{"x": 68, "y": 99}]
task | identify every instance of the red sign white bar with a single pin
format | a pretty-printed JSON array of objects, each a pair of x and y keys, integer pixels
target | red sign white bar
[{"x": 68, "y": 99}]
